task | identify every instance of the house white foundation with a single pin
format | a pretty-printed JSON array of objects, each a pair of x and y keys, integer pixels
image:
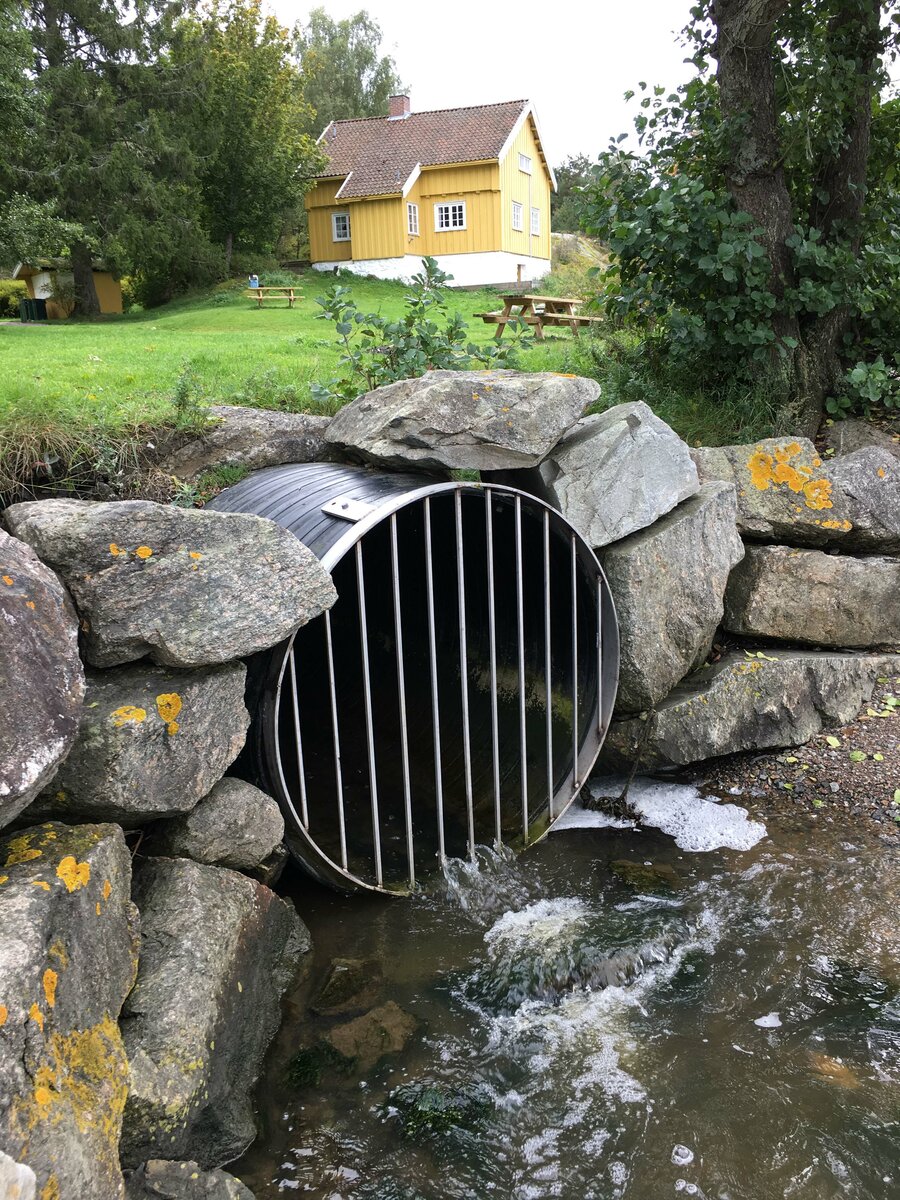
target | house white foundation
[{"x": 495, "y": 267}]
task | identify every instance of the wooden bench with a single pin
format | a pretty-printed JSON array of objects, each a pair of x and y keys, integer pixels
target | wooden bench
[{"x": 261, "y": 294}]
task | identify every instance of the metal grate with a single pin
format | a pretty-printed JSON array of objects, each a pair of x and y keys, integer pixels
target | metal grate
[{"x": 456, "y": 694}]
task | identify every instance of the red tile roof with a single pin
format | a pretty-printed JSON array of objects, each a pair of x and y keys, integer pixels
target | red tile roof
[{"x": 378, "y": 154}]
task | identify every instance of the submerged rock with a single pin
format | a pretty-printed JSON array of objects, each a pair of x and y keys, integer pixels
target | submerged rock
[
  {"x": 162, "y": 1180},
  {"x": 815, "y": 598},
  {"x": 41, "y": 677},
  {"x": 218, "y": 950},
  {"x": 187, "y": 588},
  {"x": 480, "y": 420},
  {"x": 786, "y": 493},
  {"x": 646, "y": 877},
  {"x": 426, "y": 1109},
  {"x": 668, "y": 584},
  {"x": 234, "y": 825},
  {"x": 614, "y": 473},
  {"x": 68, "y": 955},
  {"x": 251, "y": 438},
  {"x": 367, "y": 1039},
  {"x": 152, "y": 742},
  {"x": 350, "y": 985},
  {"x": 747, "y": 703}
]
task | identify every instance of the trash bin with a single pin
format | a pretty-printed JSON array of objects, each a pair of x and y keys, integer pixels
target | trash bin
[
  {"x": 39, "y": 310},
  {"x": 25, "y": 310}
]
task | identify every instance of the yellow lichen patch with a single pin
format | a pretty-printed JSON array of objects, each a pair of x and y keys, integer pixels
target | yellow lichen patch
[
  {"x": 19, "y": 851},
  {"x": 50, "y": 1190},
  {"x": 172, "y": 728},
  {"x": 760, "y": 467},
  {"x": 818, "y": 493},
  {"x": 74, "y": 874},
  {"x": 97, "y": 908},
  {"x": 8, "y": 580},
  {"x": 3, "y": 878},
  {"x": 881, "y": 472},
  {"x": 143, "y": 552},
  {"x": 37, "y": 1016},
  {"x": 128, "y": 713},
  {"x": 29, "y": 604},
  {"x": 168, "y": 705},
  {"x": 60, "y": 953},
  {"x": 4, "y": 1015},
  {"x": 106, "y": 889},
  {"x": 50, "y": 981},
  {"x": 195, "y": 554},
  {"x": 41, "y": 883},
  {"x": 114, "y": 550},
  {"x": 844, "y": 525}
]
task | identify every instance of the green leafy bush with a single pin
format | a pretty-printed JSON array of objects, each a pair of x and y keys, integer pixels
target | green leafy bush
[
  {"x": 378, "y": 350},
  {"x": 11, "y": 292}
]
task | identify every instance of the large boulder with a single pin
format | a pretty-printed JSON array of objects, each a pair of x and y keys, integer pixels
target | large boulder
[
  {"x": 17, "y": 1181},
  {"x": 747, "y": 703},
  {"x": 251, "y": 438},
  {"x": 845, "y": 437},
  {"x": 787, "y": 494},
  {"x": 188, "y": 588},
  {"x": 217, "y": 952},
  {"x": 236, "y": 825},
  {"x": 815, "y": 598},
  {"x": 41, "y": 677},
  {"x": 668, "y": 584},
  {"x": 481, "y": 420},
  {"x": 152, "y": 742},
  {"x": 615, "y": 473},
  {"x": 68, "y": 955},
  {"x": 161, "y": 1180}
]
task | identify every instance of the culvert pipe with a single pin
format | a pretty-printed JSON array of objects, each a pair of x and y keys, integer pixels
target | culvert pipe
[{"x": 456, "y": 694}]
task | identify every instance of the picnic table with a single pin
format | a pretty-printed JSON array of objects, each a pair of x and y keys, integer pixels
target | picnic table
[
  {"x": 539, "y": 312},
  {"x": 259, "y": 294}
]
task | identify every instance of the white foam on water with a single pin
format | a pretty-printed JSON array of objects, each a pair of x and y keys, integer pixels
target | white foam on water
[
  {"x": 771, "y": 1020},
  {"x": 696, "y": 823},
  {"x": 682, "y": 1156}
]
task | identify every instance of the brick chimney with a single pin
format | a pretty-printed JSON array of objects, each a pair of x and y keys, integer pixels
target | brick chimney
[{"x": 398, "y": 107}]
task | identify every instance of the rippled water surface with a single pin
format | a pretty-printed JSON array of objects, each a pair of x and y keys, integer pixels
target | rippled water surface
[{"x": 735, "y": 1038}]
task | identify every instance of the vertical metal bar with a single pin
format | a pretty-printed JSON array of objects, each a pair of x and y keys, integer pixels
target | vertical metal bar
[
  {"x": 401, "y": 690},
  {"x": 520, "y": 624},
  {"x": 338, "y": 775},
  {"x": 301, "y": 769},
  {"x": 575, "y": 780},
  {"x": 432, "y": 658},
  {"x": 492, "y": 639},
  {"x": 367, "y": 692},
  {"x": 464, "y": 673},
  {"x": 548, "y": 663},
  {"x": 599, "y": 653}
]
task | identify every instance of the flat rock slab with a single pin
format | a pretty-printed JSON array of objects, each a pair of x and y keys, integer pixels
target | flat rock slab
[
  {"x": 188, "y": 588},
  {"x": 41, "y": 676},
  {"x": 478, "y": 420},
  {"x": 846, "y": 437},
  {"x": 235, "y": 825},
  {"x": 787, "y": 494},
  {"x": 668, "y": 584},
  {"x": 251, "y": 438},
  {"x": 161, "y": 1180},
  {"x": 814, "y": 598},
  {"x": 68, "y": 956},
  {"x": 152, "y": 742},
  {"x": 367, "y": 1039},
  {"x": 615, "y": 473},
  {"x": 747, "y": 703},
  {"x": 218, "y": 950}
]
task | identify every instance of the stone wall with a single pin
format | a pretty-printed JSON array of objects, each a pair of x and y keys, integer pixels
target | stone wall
[{"x": 143, "y": 954}]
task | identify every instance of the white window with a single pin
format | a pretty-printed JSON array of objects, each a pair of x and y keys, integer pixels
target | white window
[
  {"x": 535, "y": 222},
  {"x": 340, "y": 227},
  {"x": 525, "y": 164},
  {"x": 450, "y": 216},
  {"x": 517, "y": 211},
  {"x": 412, "y": 219}
]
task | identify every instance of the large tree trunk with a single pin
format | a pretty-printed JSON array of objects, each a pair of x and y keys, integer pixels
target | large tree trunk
[{"x": 86, "y": 302}]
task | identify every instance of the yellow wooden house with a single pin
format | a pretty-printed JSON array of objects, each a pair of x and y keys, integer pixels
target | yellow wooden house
[{"x": 468, "y": 186}]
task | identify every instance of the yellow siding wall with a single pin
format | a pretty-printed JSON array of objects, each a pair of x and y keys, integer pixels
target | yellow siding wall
[
  {"x": 320, "y": 204},
  {"x": 479, "y": 186},
  {"x": 531, "y": 191},
  {"x": 377, "y": 228}
]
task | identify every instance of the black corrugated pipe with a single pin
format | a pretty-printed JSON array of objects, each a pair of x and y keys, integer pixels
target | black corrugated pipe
[{"x": 457, "y": 693}]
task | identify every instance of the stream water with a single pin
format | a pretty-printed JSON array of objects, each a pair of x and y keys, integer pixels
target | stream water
[{"x": 728, "y": 1029}]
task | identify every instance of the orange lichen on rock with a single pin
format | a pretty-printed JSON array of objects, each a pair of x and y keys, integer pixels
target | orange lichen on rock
[
  {"x": 881, "y": 472},
  {"x": 767, "y": 470},
  {"x": 19, "y": 851},
  {"x": 143, "y": 552},
  {"x": 818, "y": 493},
  {"x": 7, "y": 579},
  {"x": 4, "y": 1015},
  {"x": 114, "y": 550},
  {"x": 37, "y": 1016},
  {"x": 50, "y": 981},
  {"x": 195, "y": 554},
  {"x": 106, "y": 889},
  {"x": 29, "y": 604},
  {"x": 128, "y": 713},
  {"x": 41, "y": 883},
  {"x": 74, "y": 874},
  {"x": 50, "y": 1190},
  {"x": 168, "y": 705}
]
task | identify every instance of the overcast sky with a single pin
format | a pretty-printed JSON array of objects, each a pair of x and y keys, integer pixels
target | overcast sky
[{"x": 573, "y": 59}]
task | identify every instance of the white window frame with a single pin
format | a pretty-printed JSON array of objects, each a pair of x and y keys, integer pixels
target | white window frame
[
  {"x": 335, "y": 236},
  {"x": 535, "y": 222},
  {"x": 524, "y": 163},
  {"x": 518, "y": 216},
  {"x": 451, "y": 226},
  {"x": 412, "y": 219}
]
